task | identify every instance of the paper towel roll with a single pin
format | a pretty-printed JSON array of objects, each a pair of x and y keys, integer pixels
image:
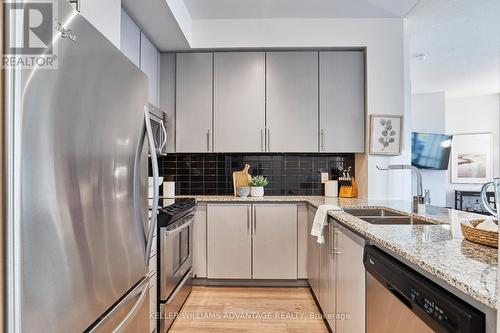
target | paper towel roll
[{"x": 331, "y": 188}]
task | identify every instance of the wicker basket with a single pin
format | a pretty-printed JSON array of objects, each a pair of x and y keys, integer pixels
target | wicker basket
[{"x": 484, "y": 237}]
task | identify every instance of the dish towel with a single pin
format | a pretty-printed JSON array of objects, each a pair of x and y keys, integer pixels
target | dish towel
[{"x": 320, "y": 220}]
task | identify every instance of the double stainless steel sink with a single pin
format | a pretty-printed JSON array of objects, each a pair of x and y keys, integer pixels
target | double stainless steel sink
[{"x": 384, "y": 216}]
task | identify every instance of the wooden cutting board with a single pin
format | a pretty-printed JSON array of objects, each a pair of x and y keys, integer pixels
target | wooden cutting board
[{"x": 241, "y": 178}]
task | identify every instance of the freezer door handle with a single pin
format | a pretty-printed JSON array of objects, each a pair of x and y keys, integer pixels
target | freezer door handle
[
  {"x": 134, "y": 309},
  {"x": 142, "y": 290}
]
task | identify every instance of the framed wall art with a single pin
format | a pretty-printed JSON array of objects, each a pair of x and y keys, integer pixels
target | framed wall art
[
  {"x": 385, "y": 134},
  {"x": 471, "y": 158}
]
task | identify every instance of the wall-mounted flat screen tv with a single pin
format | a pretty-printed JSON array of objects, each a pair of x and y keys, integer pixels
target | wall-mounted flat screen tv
[{"x": 430, "y": 151}]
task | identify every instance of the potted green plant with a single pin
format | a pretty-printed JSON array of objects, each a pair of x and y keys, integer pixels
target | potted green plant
[{"x": 257, "y": 184}]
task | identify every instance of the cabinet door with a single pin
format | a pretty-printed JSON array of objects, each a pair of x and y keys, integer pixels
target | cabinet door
[
  {"x": 200, "y": 242},
  {"x": 229, "y": 241},
  {"x": 150, "y": 58},
  {"x": 275, "y": 241},
  {"x": 239, "y": 101},
  {"x": 167, "y": 96},
  {"x": 303, "y": 232},
  {"x": 350, "y": 280},
  {"x": 104, "y": 16},
  {"x": 342, "y": 101},
  {"x": 327, "y": 277},
  {"x": 313, "y": 254},
  {"x": 292, "y": 101},
  {"x": 194, "y": 103},
  {"x": 130, "y": 39}
]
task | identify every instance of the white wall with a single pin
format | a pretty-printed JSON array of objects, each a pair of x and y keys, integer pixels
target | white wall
[
  {"x": 105, "y": 16},
  {"x": 429, "y": 116},
  {"x": 385, "y": 74},
  {"x": 478, "y": 114}
]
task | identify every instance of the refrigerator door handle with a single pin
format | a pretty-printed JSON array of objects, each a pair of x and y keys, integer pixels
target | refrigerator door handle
[{"x": 156, "y": 184}]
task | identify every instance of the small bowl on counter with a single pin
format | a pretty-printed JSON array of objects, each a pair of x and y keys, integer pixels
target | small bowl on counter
[{"x": 243, "y": 191}]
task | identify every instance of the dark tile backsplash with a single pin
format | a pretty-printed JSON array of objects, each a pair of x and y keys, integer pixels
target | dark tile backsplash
[{"x": 288, "y": 174}]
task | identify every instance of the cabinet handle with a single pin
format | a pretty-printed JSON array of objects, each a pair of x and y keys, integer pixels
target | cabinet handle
[
  {"x": 262, "y": 140},
  {"x": 335, "y": 250},
  {"x": 208, "y": 140},
  {"x": 254, "y": 222},
  {"x": 322, "y": 140},
  {"x": 330, "y": 231},
  {"x": 248, "y": 220},
  {"x": 268, "y": 140}
]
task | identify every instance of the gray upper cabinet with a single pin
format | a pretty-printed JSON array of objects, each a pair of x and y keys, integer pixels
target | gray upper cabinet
[
  {"x": 239, "y": 101},
  {"x": 130, "y": 39},
  {"x": 167, "y": 96},
  {"x": 143, "y": 53},
  {"x": 194, "y": 102},
  {"x": 292, "y": 101},
  {"x": 342, "y": 101},
  {"x": 150, "y": 59}
]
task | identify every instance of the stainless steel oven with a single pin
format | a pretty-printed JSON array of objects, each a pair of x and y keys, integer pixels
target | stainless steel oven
[
  {"x": 175, "y": 260},
  {"x": 159, "y": 127}
]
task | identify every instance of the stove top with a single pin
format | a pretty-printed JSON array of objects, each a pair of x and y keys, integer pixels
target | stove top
[{"x": 173, "y": 209}]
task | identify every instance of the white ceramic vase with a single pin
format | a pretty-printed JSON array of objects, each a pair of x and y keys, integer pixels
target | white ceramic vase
[{"x": 257, "y": 191}]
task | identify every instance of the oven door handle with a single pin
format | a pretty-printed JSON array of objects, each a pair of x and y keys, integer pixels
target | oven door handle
[
  {"x": 179, "y": 286},
  {"x": 184, "y": 225}
]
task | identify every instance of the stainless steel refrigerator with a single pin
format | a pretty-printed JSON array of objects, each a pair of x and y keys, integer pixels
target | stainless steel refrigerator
[{"x": 77, "y": 230}]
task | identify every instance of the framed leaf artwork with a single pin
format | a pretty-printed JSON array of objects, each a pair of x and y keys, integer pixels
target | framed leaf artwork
[{"x": 385, "y": 134}]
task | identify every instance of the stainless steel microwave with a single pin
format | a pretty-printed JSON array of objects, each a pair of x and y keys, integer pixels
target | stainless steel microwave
[{"x": 159, "y": 127}]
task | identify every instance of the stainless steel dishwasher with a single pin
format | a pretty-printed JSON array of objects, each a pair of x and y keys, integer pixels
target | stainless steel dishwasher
[{"x": 399, "y": 299}]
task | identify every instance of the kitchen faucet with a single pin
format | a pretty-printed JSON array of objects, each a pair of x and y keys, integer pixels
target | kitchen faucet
[{"x": 419, "y": 199}]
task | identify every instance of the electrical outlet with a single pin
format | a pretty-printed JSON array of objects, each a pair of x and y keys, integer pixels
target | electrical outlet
[{"x": 324, "y": 177}]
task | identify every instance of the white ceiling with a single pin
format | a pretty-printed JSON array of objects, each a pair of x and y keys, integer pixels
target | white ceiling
[
  {"x": 461, "y": 39},
  {"x": 243, "y": 9}
]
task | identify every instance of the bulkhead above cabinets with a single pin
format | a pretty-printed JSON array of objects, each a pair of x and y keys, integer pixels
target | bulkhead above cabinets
[{"x": 280, "y": 101}]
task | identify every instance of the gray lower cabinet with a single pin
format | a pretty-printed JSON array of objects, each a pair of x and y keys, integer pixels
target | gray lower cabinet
[
  {"x": 194, "y": 102},
  {"x": 337, "y": 276},
  {"x": 303, "y": 232},
  {"x": 275, "y": 241},
  {"x": 246, "y": 241},
  {"x": 342, "y": 101},
  {"x": 350, "y": 295},
  {"x": 239, "y": 101},
  {"x": 313, "y": 249},
  {"x": 292, "y": 101},
  {"x": 327, "y": 277},
  {"x": 200, "y": 241},
  {"x": 229, "y": 241}
]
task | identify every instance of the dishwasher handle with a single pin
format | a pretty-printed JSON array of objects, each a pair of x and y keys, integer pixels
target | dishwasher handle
[{"x": 400, "y": 296}]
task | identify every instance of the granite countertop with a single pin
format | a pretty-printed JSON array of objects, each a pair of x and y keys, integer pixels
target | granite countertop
[{"x": 438, "y": 249}]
